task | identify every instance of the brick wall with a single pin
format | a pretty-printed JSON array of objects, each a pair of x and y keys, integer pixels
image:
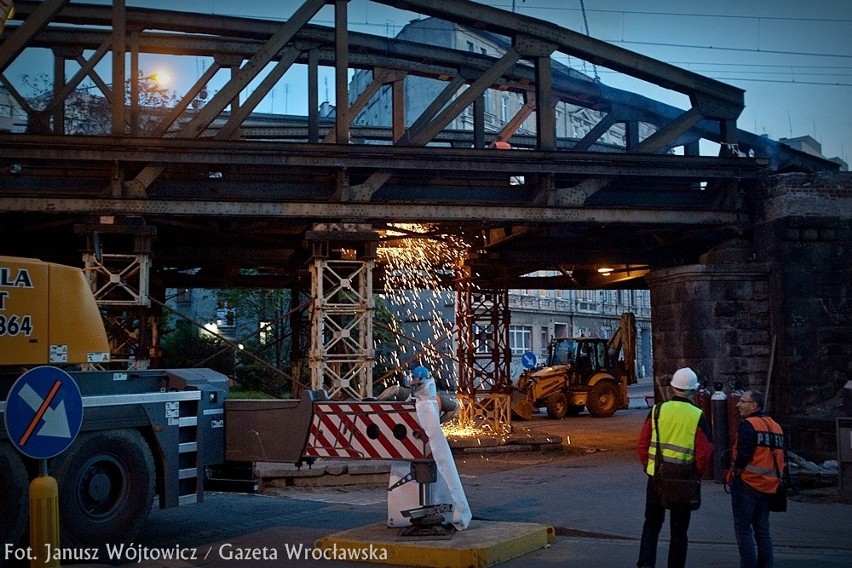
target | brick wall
[{"x": 806, "y": 238}]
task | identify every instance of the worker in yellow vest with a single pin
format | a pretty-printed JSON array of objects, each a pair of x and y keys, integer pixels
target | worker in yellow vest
[{"x": 684, "y": 437}]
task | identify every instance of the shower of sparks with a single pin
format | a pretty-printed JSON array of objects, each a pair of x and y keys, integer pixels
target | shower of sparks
[
  {"x": 455, "y": 429},
  {"x": 415, "y": 261},
  {"x": 418, "y": 265}
]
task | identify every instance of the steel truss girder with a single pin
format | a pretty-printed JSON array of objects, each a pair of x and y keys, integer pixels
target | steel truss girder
[
  {"x": 719, "y": 102},
  {"x": 575, "y": 44},
  {"x": 398, "y": 212},
  {"x": 399, "y": 159}
]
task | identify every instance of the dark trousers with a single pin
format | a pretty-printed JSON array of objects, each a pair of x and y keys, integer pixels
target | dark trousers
[
  {"x": 751, "y": 525},
  {"x": 655, "y": 514}
]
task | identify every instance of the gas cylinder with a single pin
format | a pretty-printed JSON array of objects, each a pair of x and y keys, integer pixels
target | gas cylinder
[
  {"x": 702, "y": 400},
  {"x": 719, "y": 405},
  {"x": 734, "y": 395}
]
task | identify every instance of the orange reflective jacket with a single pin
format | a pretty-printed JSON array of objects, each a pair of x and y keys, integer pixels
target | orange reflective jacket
[{"x": 761, "y": 472}]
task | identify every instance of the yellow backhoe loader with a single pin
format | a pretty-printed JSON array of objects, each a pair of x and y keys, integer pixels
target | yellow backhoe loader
[{"x": 581, "y": 372}]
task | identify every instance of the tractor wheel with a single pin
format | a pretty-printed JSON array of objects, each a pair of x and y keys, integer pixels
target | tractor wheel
[
  {"x": 557, "y": 405},
  {"x": 106, "y": 487},
  {"x": 603, "y": 399},
  {"x": 14, "y": 498}
]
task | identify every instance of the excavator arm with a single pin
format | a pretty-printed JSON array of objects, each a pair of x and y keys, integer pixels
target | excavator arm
[{"x": 622, "y": 348}]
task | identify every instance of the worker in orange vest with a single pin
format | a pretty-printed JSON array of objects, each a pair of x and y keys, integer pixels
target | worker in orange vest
[{"x": 758, "y": 456}]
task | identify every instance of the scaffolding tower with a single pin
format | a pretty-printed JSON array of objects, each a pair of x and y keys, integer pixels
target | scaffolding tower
[
  {"x": 484, "y": 354},
  {"x": 117, "y": 264},
  {"x": 341, "y": 353}
]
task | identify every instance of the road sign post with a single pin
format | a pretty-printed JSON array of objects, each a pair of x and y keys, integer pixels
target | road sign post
[{"x": 44, "y": 413}]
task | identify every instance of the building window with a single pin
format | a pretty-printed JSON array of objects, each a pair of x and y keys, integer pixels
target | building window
[
  {"x": 226, "y": 317},
  {"x": 470, "y": 46},
  {"x": 587, "y": 300},
  {"x": 520, "y": 339},
  {"x": 267, "y": 332},
  {"x": 504, "y": 109}
]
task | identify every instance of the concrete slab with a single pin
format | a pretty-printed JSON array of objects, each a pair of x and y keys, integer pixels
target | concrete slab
[
  {"x": 641, "y": 402},
  {"x": 520, "y": 440},
  {"x": 482, "y": 544},
  {"x": 323, "y": 473}
]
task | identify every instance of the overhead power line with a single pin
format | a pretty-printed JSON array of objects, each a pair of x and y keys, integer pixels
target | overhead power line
[
  {"x": 740, "y": 49},
  {"x": 529, "y": 8},
  {"x": 740, "y": 79},
  {"x": 769, "y": 65},
  {"x": 690, "y": 46},
  {"x": 788, "y": 82}
]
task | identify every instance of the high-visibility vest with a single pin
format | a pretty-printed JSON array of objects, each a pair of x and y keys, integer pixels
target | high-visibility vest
[
  {"x": 678, "y": 422},
  {"x": 761, "y": 472}
]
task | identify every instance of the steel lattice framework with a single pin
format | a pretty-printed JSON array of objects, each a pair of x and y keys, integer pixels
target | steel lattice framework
[
  {"x": 483, "y": 337},
  {"x": 341, "y": 353},
  {"x": 121, "y": 286},
  {"x": 484, "y": 355}
]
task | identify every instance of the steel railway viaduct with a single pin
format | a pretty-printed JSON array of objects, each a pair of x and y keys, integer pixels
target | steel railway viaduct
[{"x": 746, "y": 252}]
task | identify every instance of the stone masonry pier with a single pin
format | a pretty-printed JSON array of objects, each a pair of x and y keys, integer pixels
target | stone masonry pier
[{"x": 771, "y": 309}]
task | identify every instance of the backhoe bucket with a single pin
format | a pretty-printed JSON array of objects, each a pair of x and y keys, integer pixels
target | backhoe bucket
[{"x": 522, "y": 406}]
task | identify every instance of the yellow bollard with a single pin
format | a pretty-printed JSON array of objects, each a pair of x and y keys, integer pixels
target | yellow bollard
[{"x": 44, "y": 521}]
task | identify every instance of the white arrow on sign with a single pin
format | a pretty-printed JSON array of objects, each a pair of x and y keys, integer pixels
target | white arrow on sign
[{"x": 55, "y": 419}]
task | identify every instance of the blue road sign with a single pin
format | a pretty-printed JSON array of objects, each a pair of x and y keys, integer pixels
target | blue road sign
[
  {"x": 529, "y": 360},
  {"x": 44, "y": 412}
]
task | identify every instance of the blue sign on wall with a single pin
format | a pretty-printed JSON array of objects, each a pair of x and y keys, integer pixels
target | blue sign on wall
[
  {"x": 529, "y": 360},
  {"x": 44, "y": 412}
]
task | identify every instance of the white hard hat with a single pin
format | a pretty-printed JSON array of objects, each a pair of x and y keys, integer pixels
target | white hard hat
[{"x": 685, "y": 379}]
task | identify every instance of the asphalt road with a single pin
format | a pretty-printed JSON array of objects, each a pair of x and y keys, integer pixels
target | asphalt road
[{"x": 591, "y": 491}]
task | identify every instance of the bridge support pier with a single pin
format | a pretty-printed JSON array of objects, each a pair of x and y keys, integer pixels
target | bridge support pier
[
  {"x": 712, "y": 317},
  {"x": 773, "y": 312}
]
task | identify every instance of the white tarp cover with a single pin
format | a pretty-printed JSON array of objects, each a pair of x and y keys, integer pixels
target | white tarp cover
[{"x": 448, "y": 487}]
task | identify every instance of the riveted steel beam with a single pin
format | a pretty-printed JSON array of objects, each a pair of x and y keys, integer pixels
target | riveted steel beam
[{"x": 400, "y": 212}]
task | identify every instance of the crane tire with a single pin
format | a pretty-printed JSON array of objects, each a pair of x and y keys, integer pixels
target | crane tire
[
  {"x": 603, "y": 399},
  {"x": 14, "y": 500},
  {"x": 106, "y": 485}
]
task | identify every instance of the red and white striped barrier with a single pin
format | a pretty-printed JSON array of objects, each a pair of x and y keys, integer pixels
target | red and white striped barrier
[{"x": 366, "y": 430}]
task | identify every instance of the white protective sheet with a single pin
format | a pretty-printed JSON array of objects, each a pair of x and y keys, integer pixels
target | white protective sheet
[{"x": 448, "y": 487}]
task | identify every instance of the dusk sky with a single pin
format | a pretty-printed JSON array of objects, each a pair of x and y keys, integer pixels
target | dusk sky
[{"x": 793, "y": 58}]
